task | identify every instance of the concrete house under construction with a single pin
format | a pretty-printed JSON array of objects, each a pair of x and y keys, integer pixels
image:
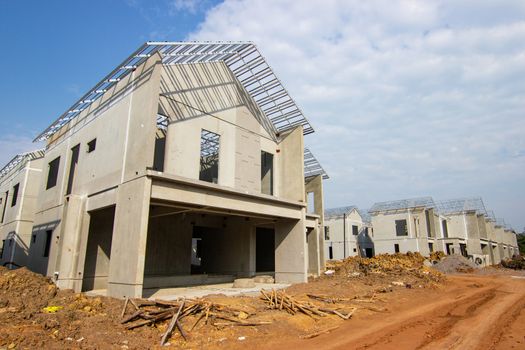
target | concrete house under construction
[
  {"x": 185, "y": 165},
  {"x": 347, "y": 233},
  {"x": 19, "y": 188},
  {"x": 405, "y": 225}
]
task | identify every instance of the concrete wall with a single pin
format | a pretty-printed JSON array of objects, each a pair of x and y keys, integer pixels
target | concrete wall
[
  {"x": 340, "y": 227},
  {"x": 16, "y": 227},
  {"x": 123, "y": 121},
  {"x": 385, "y": 232}
]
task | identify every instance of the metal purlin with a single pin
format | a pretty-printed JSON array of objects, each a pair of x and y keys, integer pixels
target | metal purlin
[{"x": 242, "y": 58}]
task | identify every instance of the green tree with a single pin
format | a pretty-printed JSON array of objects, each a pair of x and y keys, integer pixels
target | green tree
[{"x": 521, "y": 243}]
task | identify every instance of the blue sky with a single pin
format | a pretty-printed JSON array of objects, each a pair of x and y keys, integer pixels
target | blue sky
[{"x": 408, "y": 98}]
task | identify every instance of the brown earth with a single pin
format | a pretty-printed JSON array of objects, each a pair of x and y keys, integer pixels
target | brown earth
[{"x": 400, "y": 304}]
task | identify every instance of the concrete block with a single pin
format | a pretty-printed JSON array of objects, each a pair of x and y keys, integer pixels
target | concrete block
[{"x": 243, "y": 283}]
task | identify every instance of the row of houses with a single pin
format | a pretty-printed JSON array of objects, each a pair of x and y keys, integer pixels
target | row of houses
[
  {"x": 185, "y": 165},
  {"x": 457, "y": 226}
]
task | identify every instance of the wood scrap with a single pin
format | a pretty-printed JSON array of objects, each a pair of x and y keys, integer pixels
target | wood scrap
[
  {"x": 172, "y": 324},
  {"x": 149, "y": 312},
  {"x": 316, "y": 334}
]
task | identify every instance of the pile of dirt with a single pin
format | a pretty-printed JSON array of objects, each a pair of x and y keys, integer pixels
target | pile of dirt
[
  {"x": 517, "y": 262},
  {"x": 387, "y": 265},
  {"x": 454, "y": 264},
  {"x": 436, "y": 256},
  {"x": 24, "y": 289}
]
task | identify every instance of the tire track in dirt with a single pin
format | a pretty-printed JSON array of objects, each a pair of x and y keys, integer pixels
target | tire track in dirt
[
  {"x": 471, "y": 312},
  {"x": 434, "y": 324}
]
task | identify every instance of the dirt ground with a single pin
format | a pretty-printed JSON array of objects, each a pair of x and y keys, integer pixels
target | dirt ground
[{"x": 412, "y": 307}]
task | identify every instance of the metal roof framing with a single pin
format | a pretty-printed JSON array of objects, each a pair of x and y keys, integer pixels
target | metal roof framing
[
  {"x": 20, "y": 159},
  {"x": 311, "y": 166},
  {"x": 422, "y": 202},
  {"x": 460, "y": 205},
  {"x": 242, "y": 58}
]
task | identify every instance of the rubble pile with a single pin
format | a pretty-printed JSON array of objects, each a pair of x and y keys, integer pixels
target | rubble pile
[
  {"x": 436, "y": 256},
  {"x": 517, "y": 262},
  {"x": 22, "y": 289},
  {"x": 455, "y": 263},
  {"x": 409, "y": 264}
]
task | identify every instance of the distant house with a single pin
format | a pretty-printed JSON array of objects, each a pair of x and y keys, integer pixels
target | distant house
[
  {"x": 466, "y": 229},
  {"x": 406, "y": 225},
  {"x": 19, "y": 188},
  {"x": 347, "y": 233}
]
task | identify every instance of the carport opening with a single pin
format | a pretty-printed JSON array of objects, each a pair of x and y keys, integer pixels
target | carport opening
[
  {"x": 98, "y": 250},
  {"x": 189, "y": 247}
]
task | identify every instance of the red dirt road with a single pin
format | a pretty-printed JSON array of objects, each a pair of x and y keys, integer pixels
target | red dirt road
[{"x": 469, "y": 312}]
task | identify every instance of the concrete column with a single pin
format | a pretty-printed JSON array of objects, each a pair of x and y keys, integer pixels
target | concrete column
[
  {"x": 74, "y": 227},
  {"x": 290, "y": 251},
  {"x": 315, "y": 185},
  {"x": 314, "y": 250},
  {"x": 128, "y": 246}
]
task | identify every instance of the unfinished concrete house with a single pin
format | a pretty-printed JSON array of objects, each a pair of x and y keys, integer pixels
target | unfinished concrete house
[
  {"x": 466, "y": 233},
  {"x": 347, "y": 234},
  {"x": 19, "y": 188},
  {"x": 185, "y": 165},
  {"x": 405, "y": 225}
]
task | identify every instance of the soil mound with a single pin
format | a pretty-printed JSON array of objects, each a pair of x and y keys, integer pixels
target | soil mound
[
  {"x": 517, "y": 262},
  {"x": 455, "y": 264},
  {"x": 409, "y": 264},
  {"x": 22, "y": 288}
]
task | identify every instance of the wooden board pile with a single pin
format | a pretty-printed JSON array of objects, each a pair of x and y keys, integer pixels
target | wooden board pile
[
  {"x": 149, "y": 312},
  {"x": 279, "y": 300}
]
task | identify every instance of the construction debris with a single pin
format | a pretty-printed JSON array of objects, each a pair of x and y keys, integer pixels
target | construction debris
[
  {"x": 149, "y": 312},
  {"x": 279, "y": 300},
  {"x": 517, "y": 262},
  {"x": 409, "y": 264},
  {"x": 454, "y": 264}
]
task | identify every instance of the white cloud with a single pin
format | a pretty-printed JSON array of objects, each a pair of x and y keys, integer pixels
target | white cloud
[
  {"x": 191, "y": 6},
  {"x": 12, "y": 145},
  {"x": 408, "y": 98}
]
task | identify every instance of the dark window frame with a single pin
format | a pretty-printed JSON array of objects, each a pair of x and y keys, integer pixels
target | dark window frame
[
  {"x": 355, "y": 230},
  {"x": 92, "y": 145},
  {"x": 4, "y": 207},
  {"x": 267, "y": 164},
  {"x": 209, "y": 156},
  {"x": 327, "y": 233},
  {"x": 52, "y": 175},
  {"x": 399, "y": 228},
  {"x": 396, "y": 248},
  {"x": 47, "y": 245},
  {"x": 16, "y": 189}
]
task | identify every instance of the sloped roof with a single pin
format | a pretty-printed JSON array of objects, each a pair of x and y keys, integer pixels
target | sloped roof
[
  {"x": 365, "y": 215},
  {"x": 20, "y": 159},
  {"x": 460, "y": 205},
  {"x": 335, "y": 212},
  {"x": 242, "y": 58},
  {"x": 426, "y": 202},
  {"x": 312, "y": 167}
]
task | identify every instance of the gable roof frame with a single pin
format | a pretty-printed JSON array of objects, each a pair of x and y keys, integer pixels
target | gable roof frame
[{"x": 242, "y": 58}]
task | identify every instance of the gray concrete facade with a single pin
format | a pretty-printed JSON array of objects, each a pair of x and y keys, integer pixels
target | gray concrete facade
[{"x": 125, "y": 207}]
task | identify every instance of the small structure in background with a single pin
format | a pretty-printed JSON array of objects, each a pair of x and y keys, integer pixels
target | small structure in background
[
  {"x": 460, "y": 226},
  {"x": 19, "y": 189},
  {"x": 348, "y": 232}
]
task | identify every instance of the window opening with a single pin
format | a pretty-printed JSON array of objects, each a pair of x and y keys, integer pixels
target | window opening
[{"x": 209, "y": 156}]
